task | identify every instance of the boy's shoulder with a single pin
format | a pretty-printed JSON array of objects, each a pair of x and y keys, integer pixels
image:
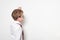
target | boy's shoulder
[{"x": 15, "y": 23}]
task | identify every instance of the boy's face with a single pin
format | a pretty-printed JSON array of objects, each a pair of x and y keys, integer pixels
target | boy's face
[{"x": 21, "y": 19}]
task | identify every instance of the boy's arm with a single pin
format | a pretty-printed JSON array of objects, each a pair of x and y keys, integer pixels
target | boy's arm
[{"x": 17, "y": 32}]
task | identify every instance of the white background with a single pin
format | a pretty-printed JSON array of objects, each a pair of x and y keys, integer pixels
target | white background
[{"x": 42, "y": 18}]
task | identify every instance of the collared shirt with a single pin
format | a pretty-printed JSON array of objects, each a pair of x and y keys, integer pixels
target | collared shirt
[{"x": 16, "y": 30}]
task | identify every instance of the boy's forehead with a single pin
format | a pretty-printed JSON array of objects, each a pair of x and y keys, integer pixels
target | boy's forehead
[{"x": 21, "y": 13}]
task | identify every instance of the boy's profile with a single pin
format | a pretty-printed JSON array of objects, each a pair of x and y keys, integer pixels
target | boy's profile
[{"x": 16, "y": 27}]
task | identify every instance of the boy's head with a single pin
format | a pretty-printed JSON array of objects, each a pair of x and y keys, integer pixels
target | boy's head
[{"x": 17, "y": 15}]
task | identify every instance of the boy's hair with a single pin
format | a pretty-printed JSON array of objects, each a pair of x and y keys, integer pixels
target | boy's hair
[{"x": 16, "y": 13}]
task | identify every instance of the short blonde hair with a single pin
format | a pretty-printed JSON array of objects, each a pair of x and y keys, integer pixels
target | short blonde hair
[{"x": 17, "y": 13}]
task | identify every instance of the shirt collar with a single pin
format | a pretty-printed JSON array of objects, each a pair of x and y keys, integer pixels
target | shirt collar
[{"x": 17, "y": 22}]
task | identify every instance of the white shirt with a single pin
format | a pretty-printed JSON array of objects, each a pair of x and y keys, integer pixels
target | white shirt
[{"x": 16, "y": 31}]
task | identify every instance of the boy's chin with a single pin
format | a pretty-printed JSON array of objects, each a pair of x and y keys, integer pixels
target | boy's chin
[{"x": 21, "y": 21}]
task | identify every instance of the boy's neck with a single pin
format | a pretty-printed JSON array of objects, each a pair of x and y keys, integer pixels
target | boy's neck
[{"x": 18, "y": 21}]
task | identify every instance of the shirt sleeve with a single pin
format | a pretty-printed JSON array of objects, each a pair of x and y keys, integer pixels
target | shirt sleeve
[{"x": 17, "y": 32}]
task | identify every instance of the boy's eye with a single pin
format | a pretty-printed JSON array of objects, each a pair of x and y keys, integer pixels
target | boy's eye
[{"x": 19, "y": 16}]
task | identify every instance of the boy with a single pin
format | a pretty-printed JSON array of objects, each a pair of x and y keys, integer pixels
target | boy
[{"x": 16, "y": 27}]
